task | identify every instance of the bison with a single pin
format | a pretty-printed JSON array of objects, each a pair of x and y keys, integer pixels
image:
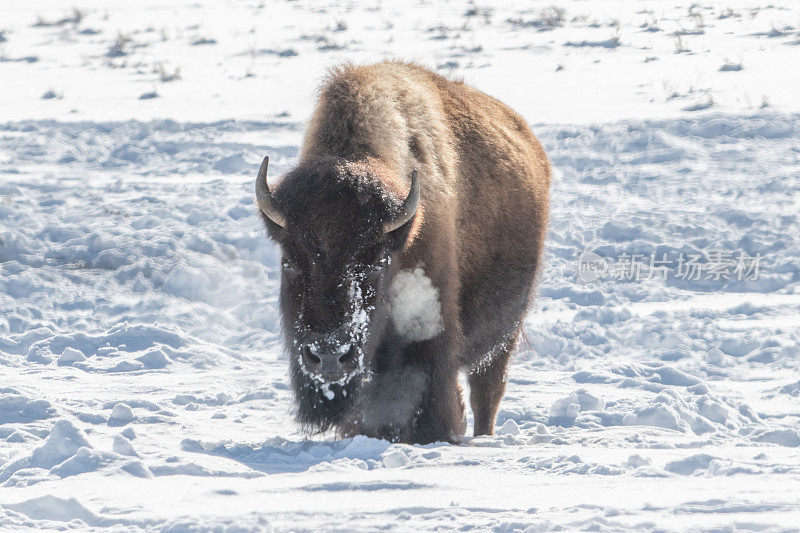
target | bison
[{"x": 411, "y": 232}]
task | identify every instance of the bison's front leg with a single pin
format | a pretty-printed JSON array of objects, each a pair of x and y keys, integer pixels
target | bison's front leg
[
  {"x": 440, "y": 415},
  {"x": 387, "y": 404},
  {"x": 412, "y": 396}
]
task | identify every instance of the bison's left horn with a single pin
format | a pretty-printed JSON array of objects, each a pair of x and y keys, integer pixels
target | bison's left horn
[
  {"x": 409, "y": 207},
  {"x": 264, "y": 197}
]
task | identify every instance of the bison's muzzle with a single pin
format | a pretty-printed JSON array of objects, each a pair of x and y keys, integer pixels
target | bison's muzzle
[{"x": 330, "y": 360}]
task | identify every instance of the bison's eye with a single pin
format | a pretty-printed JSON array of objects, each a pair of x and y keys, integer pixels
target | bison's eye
[
  {"x": 376, "y": 268},
  {"x": 288, "y": 267}
]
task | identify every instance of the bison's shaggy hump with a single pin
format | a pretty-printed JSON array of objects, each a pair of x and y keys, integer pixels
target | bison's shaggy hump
[{"x": 445, "y": 292}]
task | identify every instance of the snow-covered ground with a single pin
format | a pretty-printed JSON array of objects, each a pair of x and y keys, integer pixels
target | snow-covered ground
[{"x": 142, "y": 384}]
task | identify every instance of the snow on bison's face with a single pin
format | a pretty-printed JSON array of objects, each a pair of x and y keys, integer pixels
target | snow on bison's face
[{"x": 339, "y": 231}]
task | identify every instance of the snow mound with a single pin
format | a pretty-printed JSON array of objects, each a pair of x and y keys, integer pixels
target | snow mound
[
  {"x": 280, "y": 455},
  {"x": 63, "y": 442}
]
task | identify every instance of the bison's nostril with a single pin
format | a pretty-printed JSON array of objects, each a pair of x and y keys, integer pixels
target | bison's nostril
[
  {"x": 348, "y": 356},
  {"x": 310, "y": 356}
]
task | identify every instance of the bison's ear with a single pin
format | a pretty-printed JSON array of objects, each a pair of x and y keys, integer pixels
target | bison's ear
[{"x": 274, "y": 231}]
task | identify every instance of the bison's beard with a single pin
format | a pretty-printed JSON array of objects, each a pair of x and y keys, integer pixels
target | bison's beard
[
  {"x": 321, "y": 406},
  {"x": 324, "y": 405}
]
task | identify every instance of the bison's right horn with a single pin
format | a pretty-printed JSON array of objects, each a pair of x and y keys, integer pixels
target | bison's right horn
[
  {"x": 409, "y": 207},
  {"x": 264, "y": 197}
]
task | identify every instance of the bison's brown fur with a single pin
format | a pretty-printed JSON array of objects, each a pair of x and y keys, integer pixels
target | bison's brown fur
[{"x": 478, "y": 233}]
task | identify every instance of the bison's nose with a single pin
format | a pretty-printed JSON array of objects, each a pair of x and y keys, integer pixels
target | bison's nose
[{"x": 330, "y": 362}]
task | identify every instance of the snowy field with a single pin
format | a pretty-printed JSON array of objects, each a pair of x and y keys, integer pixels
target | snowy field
[{"x": 142, "y": 380}]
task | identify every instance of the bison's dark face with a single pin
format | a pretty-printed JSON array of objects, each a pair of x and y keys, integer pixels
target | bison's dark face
[{"x": 339, "y": 231}]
